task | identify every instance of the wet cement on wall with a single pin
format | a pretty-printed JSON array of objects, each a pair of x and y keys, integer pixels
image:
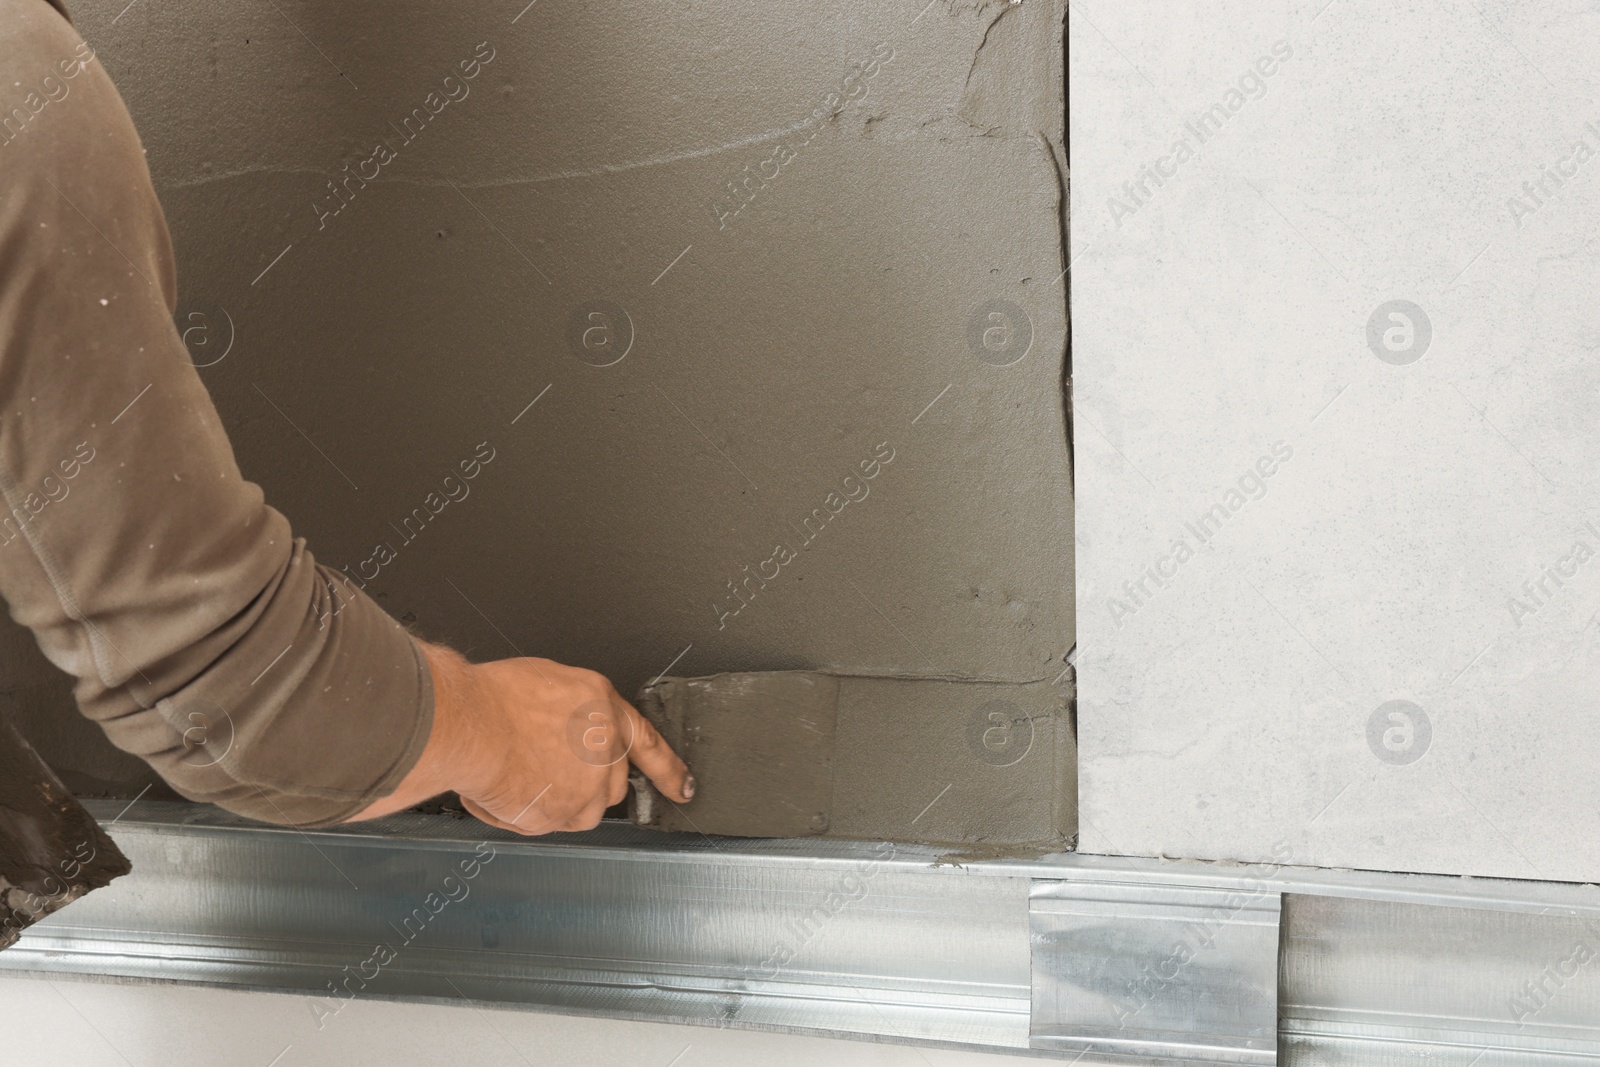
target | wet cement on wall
[
  {"x": 756, "y": 312},
  {"x": 984, "y": 765}
]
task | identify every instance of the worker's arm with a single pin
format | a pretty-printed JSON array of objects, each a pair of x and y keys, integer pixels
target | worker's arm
[{"x": 203, "y": 635}]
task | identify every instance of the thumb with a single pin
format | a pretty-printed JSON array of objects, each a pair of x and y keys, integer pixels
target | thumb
[{"x": 651, "y": 754}]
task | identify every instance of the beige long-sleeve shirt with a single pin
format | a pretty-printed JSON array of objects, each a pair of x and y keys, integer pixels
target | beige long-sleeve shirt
[{"x": 204, "y": 637}]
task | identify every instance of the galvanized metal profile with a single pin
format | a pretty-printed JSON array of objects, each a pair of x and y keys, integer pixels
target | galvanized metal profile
[
  {"x": 1156, "y": 971},
  {"x": 1374, "y": 982},
  {"x": 851, "y": 938},
  {"x": 1067, "y": 956}
]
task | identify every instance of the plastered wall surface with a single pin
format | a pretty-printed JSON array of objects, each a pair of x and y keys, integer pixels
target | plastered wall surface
[
  {"x": 1336, "y": 434},
  {"x": 748, "y": 319},
  {"x": 801, "y": 753}
]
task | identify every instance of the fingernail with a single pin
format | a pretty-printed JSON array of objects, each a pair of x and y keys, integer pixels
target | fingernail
[{"x": 688, "y": 787}]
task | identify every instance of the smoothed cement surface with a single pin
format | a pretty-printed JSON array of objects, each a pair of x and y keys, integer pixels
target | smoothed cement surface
[
  {"x": 823, "y": 243},
  {"x": 988, "y": 766},
  {"x": 761, "y": 746}
]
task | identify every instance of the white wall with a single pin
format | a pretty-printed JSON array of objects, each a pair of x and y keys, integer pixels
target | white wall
[
  {"x": 1227, "y": 712},
  {"x": 89, "y": 1024}
]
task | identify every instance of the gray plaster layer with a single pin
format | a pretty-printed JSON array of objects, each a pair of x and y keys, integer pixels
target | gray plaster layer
[
  {"x": 761, "y": 746},
  {"x": 836, "y": 295},
  {"x": 984, "y": 765},
  {"x": 1241, "y": 703},
  {"x": 988, "y": 766}
]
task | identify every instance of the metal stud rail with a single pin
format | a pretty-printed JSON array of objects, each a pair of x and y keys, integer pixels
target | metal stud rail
[{"x": 1082, "y": 958}]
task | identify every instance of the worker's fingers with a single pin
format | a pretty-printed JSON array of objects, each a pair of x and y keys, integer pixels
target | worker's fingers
[{"x": 659, "y": 763}]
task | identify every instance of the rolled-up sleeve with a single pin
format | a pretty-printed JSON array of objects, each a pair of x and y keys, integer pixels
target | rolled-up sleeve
[{"x": 204, "y": 637}]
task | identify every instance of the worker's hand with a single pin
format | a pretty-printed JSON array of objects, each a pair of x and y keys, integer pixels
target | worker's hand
[{"x": 532, "y": 745}]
